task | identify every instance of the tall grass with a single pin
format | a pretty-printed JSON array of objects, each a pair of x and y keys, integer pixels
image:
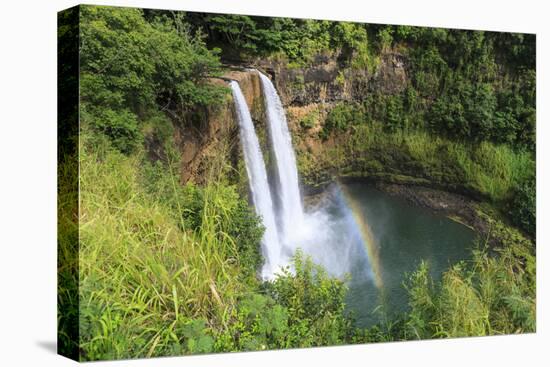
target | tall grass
[
  {"x": 143, "y": 275},
  {"x": 165, "y": 269},
  {"x": 491, "y": 295},
  {"x": 67, "y": 256}
]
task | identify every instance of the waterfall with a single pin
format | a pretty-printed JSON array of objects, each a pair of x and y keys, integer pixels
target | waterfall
[
  {"x": 291, "y": 212},
  {"x": 334, "y": 242},
  {"x": 259, "y": 187},
  {"x": 330, "y": 242}
]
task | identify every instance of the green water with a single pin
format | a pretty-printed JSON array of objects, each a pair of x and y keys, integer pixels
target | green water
[{"x": 405, "y": 235}]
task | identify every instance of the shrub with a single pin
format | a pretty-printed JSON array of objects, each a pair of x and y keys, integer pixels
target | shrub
[
  {"x": 308, "y": 121},
  {"x": 395, "y": 117},
  {"x": 341, "y": 117},
  {"x": 295, "y": 310},
  {"x": 195, "y": 336},
  {"x": 315, "y": 303},
  {"x": 385, "y": 37},
  {"x": 129, "y": 67},
  {"x": 523, "y": 206},
  {"x": 121, "y": 127},
  {"x": 259, "y": 324}
]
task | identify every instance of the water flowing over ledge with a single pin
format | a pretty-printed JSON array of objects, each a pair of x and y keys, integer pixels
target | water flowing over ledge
[
  {"x": 331, "y": 242},
  {"x": 259, "y": 188},
  {"x": 291, "y": 211}
]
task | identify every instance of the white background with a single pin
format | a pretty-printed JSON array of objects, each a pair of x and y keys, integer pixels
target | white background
[{"x": 28, "y": 181}]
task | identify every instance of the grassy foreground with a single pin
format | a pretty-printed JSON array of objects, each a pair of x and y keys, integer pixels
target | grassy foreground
[
  {"x": 491, "y": 295},
  {"x": 154, "y": 283},
  {"x": 170, "y": 270}
]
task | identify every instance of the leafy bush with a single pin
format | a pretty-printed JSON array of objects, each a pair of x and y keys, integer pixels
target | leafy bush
[
  {"x": 395, "y": 116},
  {"x": 341, "y": 117},
  {"x": 315, "y": 303},
  {"x": 385, "y": 37},
  {"x": 476, "y": 112},
  {"x": 130, "y": 67},
  {"x": 196, "y": 338},
  {"x": 296, "y": 310},
  {"x": 308, "y": 121},
  {"x": 121, "y": 127},
  {"x": 353, "y": 38},
  {"x": 467, "y": 111},
  {"x": 259, "y": 324},
  {"x": 523, "y": 207}
]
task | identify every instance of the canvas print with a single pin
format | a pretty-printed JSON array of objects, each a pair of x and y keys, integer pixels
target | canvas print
[{"x": 234, "y": 183}]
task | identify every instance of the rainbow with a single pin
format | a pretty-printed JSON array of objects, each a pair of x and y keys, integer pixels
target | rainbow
[{"x": 371, "y": 245}]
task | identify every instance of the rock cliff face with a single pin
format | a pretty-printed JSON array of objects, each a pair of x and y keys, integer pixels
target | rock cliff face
[
  {"x": 212, "y": 133},
  {"x": 329, "y": 79},
  {"x": 310, "y": 92}
]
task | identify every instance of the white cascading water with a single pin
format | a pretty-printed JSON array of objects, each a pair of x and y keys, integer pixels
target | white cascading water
[
  {"x": 291, "y": 212},
  {"x": 331, "y": 242},
  {"x": 334, "y": 241},
  {"x": 317, "y": 231},
  {"x": 259, "y": 187}
]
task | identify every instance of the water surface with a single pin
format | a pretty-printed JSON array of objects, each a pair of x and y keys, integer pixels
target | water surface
[{"x": 378, "y": 239}]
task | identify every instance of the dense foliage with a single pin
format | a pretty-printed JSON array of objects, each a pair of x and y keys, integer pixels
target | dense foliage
[
  {"x": 166, "y": 269},
  {"x": 523, "y": 206},
  {"x": 132, "y": 68},
  {"x": 468, "y": 84},
  {"x": 457, "y": 91},
  {"x": 489, "y": 172}
]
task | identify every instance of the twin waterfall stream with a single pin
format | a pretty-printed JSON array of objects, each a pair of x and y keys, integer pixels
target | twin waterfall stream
[
  {"x": 331, "y": 243},
  {"x": 350, "y": 229}
]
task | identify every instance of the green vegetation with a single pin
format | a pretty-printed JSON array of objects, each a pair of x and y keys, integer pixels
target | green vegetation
[
  {"x": 166, "y": 269},
  {"x": 340, "y": 118},
  {"x": 523, "y": 206},
  {"x": 473, "y": 85},
  {"x": 170, "y": 269},
  {"x": 298, "y": 40},
  {"x": 155, "y": 282},
  {"x": 465, "y": 120},
  {"x": 131, "y": 69},
  {"x": 493, "y": 295},
  {"x": 67, "y": 189},
  {"x": 296, "y": 310},
  {"x": 488, "y": 171},
  {"x": 473, "y": 89},
  {"x": 308, "y": 121}
]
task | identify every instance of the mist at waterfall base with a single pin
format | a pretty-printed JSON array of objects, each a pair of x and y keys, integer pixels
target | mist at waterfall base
[{"x": 353, "y": 231}]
